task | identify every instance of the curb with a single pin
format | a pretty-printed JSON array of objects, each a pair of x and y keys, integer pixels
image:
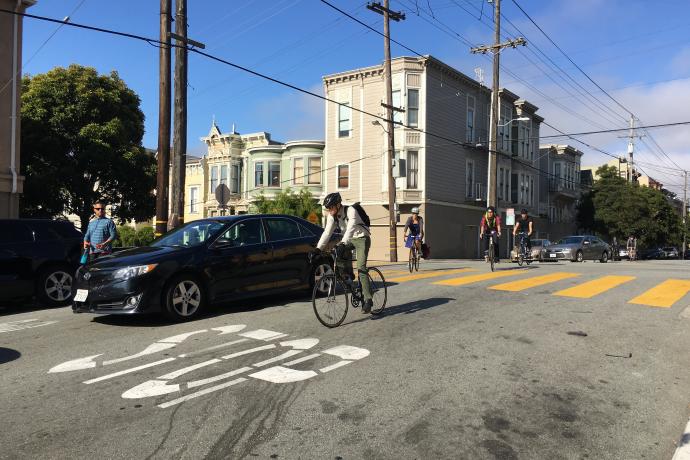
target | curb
[{"x": 683, "y": 449}]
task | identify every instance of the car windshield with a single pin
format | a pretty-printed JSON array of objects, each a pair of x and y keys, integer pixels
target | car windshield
[
  {"x": 190, "y": 235},
  {"x": 669, "y": 249},
  {"x": 537, "y": 243},
  {"x": 571, "y": 240}
]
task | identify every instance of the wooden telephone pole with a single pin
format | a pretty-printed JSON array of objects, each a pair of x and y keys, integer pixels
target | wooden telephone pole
[
  {"x": 180, "y": 127},
  {"x": 163, "y": 121},
  {"x": 392, "y": 215}
]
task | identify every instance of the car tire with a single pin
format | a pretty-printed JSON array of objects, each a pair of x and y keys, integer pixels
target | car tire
[
  {"x": 604, "y": 257},
  {"x": 184, "y": 298},
  {"x": 579, "y": 257},
  {"x": 54, "y": 285},
  {"x": 319, "y": 270}
]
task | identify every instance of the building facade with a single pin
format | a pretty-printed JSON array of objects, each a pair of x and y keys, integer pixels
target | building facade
[
  {"x": 444, "y": 148},
  {"x": 248, "y": 165},
  {"x": 562, "y": 188}
]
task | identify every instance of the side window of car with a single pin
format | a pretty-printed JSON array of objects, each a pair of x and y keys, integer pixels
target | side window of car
[
  {"x": 43, "y": 232},
  {"x": 15, "y": 232},
  {"x": 243, "y": 234},
  {"x": 305, "y": 231},
  {"x": 282, "y": 229}
]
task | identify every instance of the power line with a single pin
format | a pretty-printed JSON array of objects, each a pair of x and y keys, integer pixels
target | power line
[{"x": 615, "y": 130}]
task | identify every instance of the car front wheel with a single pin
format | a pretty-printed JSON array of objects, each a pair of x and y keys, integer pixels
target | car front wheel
[
  {"x": 184, "y": 298},
  {"x": 604, "y": 257},
  {"x": 54, "y": 286},
  {"x": 579, "y": 257}
]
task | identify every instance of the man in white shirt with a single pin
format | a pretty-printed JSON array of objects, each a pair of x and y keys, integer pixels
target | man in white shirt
[{"x": 356, "y": 236}]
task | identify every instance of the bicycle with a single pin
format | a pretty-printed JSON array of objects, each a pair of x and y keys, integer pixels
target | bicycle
[
  {"x": 330, "y": 296},
  {"x": 524, "y": 253},
  {"x": 491, "y": 256},
  {"x": 415, "y": 256}
]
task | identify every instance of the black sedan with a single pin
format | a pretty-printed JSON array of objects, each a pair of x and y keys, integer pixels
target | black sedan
[{"x": 205, "y": 261}]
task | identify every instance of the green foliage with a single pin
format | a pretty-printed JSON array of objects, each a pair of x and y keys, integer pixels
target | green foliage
[
  {"x": 129, "y": 237},
  {"x": 617, "y": 208},
  {"x": 288, "y": 202},
  {"x": 81, "y": 141}
]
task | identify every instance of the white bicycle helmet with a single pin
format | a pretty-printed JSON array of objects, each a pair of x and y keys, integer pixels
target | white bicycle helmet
[{"x": 415, "y": 210}]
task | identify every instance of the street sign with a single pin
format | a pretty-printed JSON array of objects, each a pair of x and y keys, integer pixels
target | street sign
[
  {"x": 222, "y": 193},
  {"x": 313, "y": 218},
  {"x": 510, "y": 216}
]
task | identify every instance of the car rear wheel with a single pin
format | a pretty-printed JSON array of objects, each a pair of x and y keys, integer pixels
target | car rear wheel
[
  {"x": 54, "y": 286},
  {"x": 321, "y": 269},
  {"x": 184, "y": 298},
  {"x": 604, "y": 257},
  {"x": 579, "y": 257}
]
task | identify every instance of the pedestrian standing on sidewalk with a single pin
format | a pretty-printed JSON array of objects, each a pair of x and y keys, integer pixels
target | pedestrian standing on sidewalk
[{"x": 100, "y": 234}]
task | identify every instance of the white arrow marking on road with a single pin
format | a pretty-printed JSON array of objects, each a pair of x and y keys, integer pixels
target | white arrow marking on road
[
  {"x": 334, "y": 366},
  {"x": 348, "y": 352},
  {"x": 23, "y": 324},
  {"x": 229, "y": 329},
  {"x": 128, "y": 371},
  {"x": 151, "y": 349},
  {"x": 246, "y": 352},
  {"x": 215, "y": 347},
  {"x": 160, "y": 386},
  {"x": 262, "y": 334},
  {"x": 198, "y": 383},
  {"x": 76, "y": 364},
  {"x": 303, "y": 359},
  {"x": 201, "y": 393},
  {"x": 280, "y": 374}
]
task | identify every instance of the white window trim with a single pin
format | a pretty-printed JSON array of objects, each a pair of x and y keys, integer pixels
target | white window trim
[
  {"x": 306, "y": 170},
  {"x": 191, "y": 200},
  {"x": 345, "y": 96},
  {"x": 292, "y": 171},
  {"x": 407, "y": 166},
  {"x": 349, "y": 176},
  {"x": 263, "y": 173},
  {"x": 418, "y": 109}
]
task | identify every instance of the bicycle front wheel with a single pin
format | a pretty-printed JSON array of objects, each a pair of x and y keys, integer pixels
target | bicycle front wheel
[
  {"x": 417, "y": 256},
  {"x": 410, "y": 261},
  {"x": 492, "y": 260},
  {"x": 521, "y": 258},
  {"x": 330, "y": 301},
  {"x": 379, "y": 291}
]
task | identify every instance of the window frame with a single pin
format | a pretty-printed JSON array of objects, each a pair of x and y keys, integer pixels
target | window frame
[
  {"x": 412, "y": 172},
  {"x": 192, "y": 202},
  {"x": 259, "y": 165},
  {"x": 214, "y": 172},
  {"x": 412, "y": 108},
  {"x": 338, "y": 176},
  {"x": 344, "y": 109},
  {"x": 270, "y": 183},
  {"x": 317, "y": 173},
  {"x": 269, "y": 239},
  {"x": 298, "y": 179},
  {"x": 469, "y": 189}
]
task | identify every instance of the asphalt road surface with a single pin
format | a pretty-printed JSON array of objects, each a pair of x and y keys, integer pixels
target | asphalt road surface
[{"x": 552, "y": 361}]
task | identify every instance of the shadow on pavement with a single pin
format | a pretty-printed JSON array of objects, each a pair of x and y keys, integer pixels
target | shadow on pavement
[
  {"x": 8, "y": 354},
  {"x": 405, "y": 308},
  {"x": 26, "y": 306}
]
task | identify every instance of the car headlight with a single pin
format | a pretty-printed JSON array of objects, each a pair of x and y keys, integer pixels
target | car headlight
[{"x": 131, "y": 272}]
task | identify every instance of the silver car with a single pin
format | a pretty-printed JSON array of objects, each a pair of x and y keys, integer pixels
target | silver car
[{"x": 578, "y": 249}]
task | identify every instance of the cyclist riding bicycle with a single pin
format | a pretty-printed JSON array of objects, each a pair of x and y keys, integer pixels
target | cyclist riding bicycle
[
  {"x": 415, "y": 225},
  {"x": 524, "y": 227},
  {"x": 490, "y": 227},
  {"x": 356, "y": 236}
]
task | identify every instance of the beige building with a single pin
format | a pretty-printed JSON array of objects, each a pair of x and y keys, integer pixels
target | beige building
[
  {"x": 11, "y": 182},
  {"x": 248, "y": 165},
  {"x": 624, "y": 171},
  {"x": 446, "y": 178}
]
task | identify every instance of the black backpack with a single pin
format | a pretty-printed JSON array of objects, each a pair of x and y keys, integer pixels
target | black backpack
[{"x": 362, "y": 213}]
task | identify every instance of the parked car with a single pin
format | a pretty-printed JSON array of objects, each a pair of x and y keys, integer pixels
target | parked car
[
  {"x": 537, "y": 250},
  {"x": 38, "y": 257},
  {"x": 578, "y": 249},
  {"x": 670, "y": 252},
  {"x": 623, "y": 253},
  {"x": 652, "y": 254},
  {"x": 202, "y": 262}
]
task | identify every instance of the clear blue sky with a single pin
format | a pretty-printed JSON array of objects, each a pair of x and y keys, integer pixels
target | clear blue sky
[{"x": 638, "y": 50}]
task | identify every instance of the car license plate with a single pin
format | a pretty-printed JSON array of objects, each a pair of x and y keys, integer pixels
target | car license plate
[
  {"x": 552, "y": 255},
  {"x": 81, "y": 295}
]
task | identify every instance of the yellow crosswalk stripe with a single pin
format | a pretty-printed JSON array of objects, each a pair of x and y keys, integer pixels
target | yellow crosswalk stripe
[
  {"x": 595, "y": 287},
  {"x": 429, "y": 274},
  {"x": 394, "y": 272},
  {"x": 663, "y": 295},
  {"x": 533, "y": 282},
  {"x": 482, "y": 277}
]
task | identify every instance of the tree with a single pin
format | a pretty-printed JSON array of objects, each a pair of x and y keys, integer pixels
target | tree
[
  {"x": 288, "y": 202},
  {"x": 81, "y": 141}
]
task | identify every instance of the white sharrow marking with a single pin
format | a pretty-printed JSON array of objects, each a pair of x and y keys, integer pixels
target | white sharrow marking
[
  {"x": 198, "y": 383},
  {"x": 229, "y": 329},
  {"x": 86, "y": 362},
  {"x": 251, "y": 350},
  {"x": 181, "y": 337},
  {"x": 188, "y": 369},
  {"x": 303, "y": 359},
  {"x": 201, "y": 393},
  {"x": 280, "y": 374},
  {"x": 334, "y": 366},
  {"x": 262, "y": 334},
  {"x": 683, "y": 449},
  {"x": 300, "y": 344},
  {"x": 151, "y": 349},
  {"x": 215, "y": 347},
  {"x": 348, "y": 352},
  {"x": 285, "y": 355},
  {"x": 23, "y": 324},
  {"x": 128, "y": 371},
  {"x": 150, "y": 388}
]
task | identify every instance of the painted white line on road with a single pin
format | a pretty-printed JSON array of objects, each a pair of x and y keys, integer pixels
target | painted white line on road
[
  {"x": 280, "y": 374},
  {"x": 215, "y": 347},
  {"x": 13, "y": 326},
  {"x": 246, "y": 352},
  {"x": 151, "y": 349},
  {"x": 348, "y": 352},
  {"x": 303, "y": 359},
  {"x": 229, "y": 329},
  {"x": 198, "y": 383},
  {"x": 128, "y": 371},
  {"x": 262, "y": 334},
  {"x": 683, "y": 449},
  {"x": 86, "y": 362},
  {"x": 149, "y": 388},
  {"x": 285, "y": 355},
  {"x": 201, "y": 393},
  {"x": 188, "y": 369},
  {"x": 334, "y": 366}
]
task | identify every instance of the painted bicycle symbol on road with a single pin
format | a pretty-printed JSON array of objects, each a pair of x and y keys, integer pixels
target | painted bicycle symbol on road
[{"x": 187, "y": 389}]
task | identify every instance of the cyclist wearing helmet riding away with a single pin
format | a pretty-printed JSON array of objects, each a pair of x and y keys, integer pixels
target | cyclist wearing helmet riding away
[
  {"x": 524, "y": 227},
  {"x": 356, "y": 235},
  {"x": 415, "y": 226},
  {"x": 490, "y": 227}
]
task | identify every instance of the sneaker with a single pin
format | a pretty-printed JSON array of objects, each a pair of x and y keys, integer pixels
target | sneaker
[{"x": 366, "y": 306}]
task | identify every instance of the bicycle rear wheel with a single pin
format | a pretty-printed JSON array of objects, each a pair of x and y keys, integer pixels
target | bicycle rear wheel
[
  {"x": 521, "y": 258},
  {"x": 410, "y": 260},
  {"x": 330, "y": 301},
  {"x": 379, "y": 290},
  {"x": 417, "y": 256},
  {"x": 492, "y": 260}
]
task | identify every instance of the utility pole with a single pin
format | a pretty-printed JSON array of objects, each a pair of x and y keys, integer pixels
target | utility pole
[
  {"x": 685, "y": 212},
  {"x": 493, "y": 122},
  {"x": 392, "y": 219},
  {"x": 163, "y": 121},
  {"x": 180, "y": 119},
  {"x": 630, "y": 171}
]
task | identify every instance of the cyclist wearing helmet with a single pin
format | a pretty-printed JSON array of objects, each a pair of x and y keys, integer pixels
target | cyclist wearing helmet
[
  {"x": 524, "y": 227},
  {"x": 490, "y": 227},
  {"x": 415, "y": 225},
  {"x": 356, "y": 235}
]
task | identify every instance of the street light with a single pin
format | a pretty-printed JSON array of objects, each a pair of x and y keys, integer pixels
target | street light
[
  {"x": 514, "y": 119},
  {"x": 378, "y": 123}
]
